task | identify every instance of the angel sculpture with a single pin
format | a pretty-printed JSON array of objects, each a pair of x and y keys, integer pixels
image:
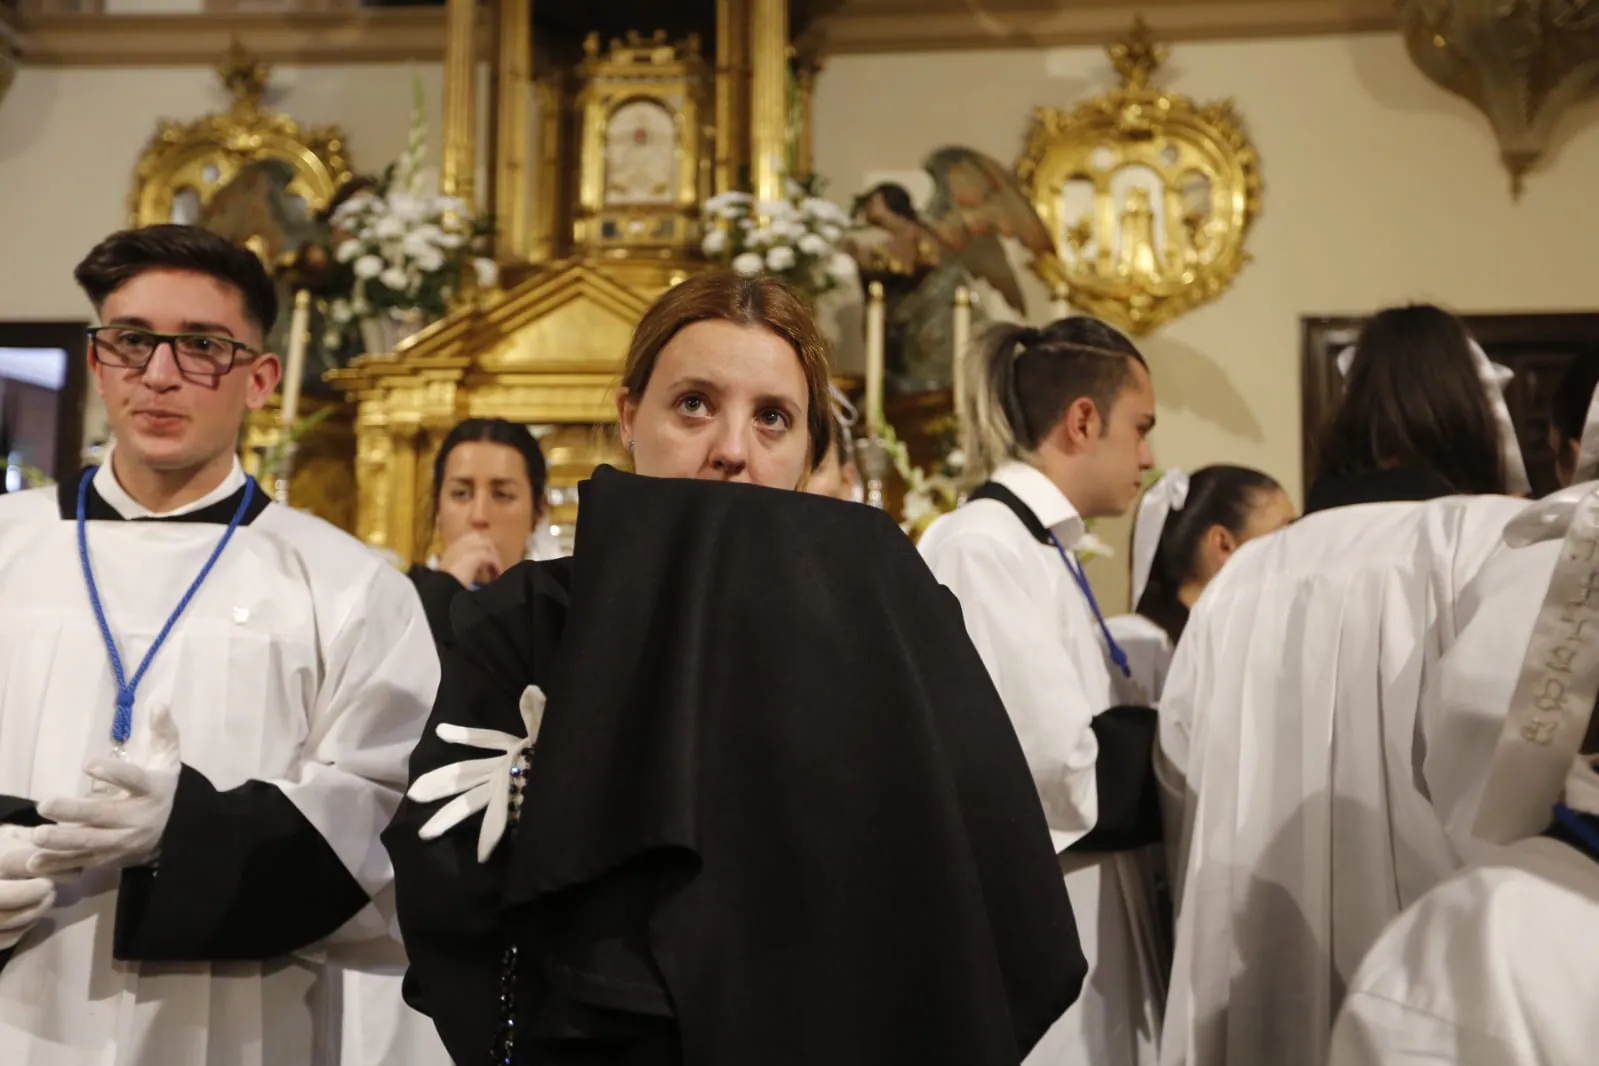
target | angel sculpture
[
  {"x": 256, "y": 209},
  {"x": 922, "y": 258}
]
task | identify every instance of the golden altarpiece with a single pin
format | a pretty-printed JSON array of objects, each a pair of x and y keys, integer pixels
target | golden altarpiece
[{"x": 610, "y": 126}]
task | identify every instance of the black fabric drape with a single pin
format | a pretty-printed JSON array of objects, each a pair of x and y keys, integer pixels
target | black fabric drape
[
  {"x": 777, "y": 813},
  {"x": 448, "y": 904},
  {"x": 437, "y": 591}
]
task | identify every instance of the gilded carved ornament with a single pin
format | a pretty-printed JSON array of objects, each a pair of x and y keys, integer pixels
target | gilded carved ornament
[
  {"x": 186, "y": 163},
  {"x": 1149, "y": 196},
  {"x": 1523, "y": 63}
]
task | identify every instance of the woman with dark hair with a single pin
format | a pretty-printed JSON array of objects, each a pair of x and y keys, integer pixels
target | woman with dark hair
[
  {"x": 707, "y": 859},
  {"x": 1422, "y": 416},
  {"x": 1290, "y": 729},
  {"x": 1188, "y": 526},
  {"x": 488, "y": 499}
]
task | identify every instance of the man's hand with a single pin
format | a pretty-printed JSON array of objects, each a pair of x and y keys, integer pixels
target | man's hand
[
  {"x": 24, "y": 897},
  {"x": 120, "y": 825}
]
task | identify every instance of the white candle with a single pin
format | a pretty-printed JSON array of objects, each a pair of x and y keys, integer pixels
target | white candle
[
  {"x": 874, "y": 359},
  {"x": 294, "y": 372},
  {"x": 961, "y": 337}
]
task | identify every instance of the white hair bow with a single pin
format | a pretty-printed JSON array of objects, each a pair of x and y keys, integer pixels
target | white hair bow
[
  {"x": 1495, "y": 379},
  {"x": 1168, "y": 494},
  {"x": 843, "y": 410}
]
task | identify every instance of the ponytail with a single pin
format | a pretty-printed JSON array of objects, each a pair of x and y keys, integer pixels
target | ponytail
[{"x": 991, "y": 415}]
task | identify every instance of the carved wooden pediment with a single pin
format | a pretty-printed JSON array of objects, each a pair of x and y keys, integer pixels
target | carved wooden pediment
[{"x": 572, "y": 320}]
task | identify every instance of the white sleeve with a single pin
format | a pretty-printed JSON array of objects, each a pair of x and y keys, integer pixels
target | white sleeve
[
  {"x": 1032, "y": 667},
  {"x": 382, "y": 674}
]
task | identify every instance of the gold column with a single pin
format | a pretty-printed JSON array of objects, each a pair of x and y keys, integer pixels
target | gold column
[
  {"x": 732, "y": 91},
  {"x": 806, "y": 67},
  {"x": 459, "y": 165},
  {"x": 769, "y": 96},
  {"x": 547, "y": 241},
  {"x": 514, "y": 70},
  {"x": 374, "y": 459}
]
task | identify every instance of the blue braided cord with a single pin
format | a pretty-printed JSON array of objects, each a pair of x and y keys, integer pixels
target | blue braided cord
[
  {"x": 1117, "y": 655},
  {"x": 122, "y": 725}
]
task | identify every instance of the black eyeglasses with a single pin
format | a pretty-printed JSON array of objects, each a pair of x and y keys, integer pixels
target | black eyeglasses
[{"x": 196, "y": 353}]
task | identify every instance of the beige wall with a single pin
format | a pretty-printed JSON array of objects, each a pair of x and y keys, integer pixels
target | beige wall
[
  {"x": 70, "y": 138},
  {"x": 1380, "y": 188}
]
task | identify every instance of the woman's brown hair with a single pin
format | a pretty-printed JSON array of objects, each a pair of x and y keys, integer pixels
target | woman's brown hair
[{"x": 761, "y": 302}]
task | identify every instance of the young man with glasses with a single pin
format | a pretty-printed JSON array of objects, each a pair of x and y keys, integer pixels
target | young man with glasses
[{"x": 206, "y": 705}]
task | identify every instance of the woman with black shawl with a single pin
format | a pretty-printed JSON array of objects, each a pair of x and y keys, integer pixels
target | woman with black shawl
[{"x": 721, "y": 854}]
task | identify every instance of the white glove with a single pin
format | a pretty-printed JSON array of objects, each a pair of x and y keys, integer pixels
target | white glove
[
  {"x": 118, "y": 827},
  {"x": 479, "y": 784},
  {"x": 24, "y": 898}
]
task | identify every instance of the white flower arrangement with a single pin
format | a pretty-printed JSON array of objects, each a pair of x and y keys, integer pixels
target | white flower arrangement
[
  {"x": 795, "y": 239},
  {"x": 400, "y": 248}
]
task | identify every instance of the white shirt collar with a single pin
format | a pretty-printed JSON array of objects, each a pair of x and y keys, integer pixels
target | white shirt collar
[
  {"x": 1044, "y": 499},
  {"x": 112, "y": 492}
]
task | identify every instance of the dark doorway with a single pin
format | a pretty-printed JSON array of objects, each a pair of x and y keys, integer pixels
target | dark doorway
[
  {"x": 43, "y": 379},
  {"x": 1537, "y": 347}
]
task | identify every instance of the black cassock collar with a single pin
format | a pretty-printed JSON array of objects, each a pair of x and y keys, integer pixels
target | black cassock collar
[{"x": 219, "y": 513}]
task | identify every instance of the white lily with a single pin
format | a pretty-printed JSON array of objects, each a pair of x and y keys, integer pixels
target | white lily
[{"x": 479, "y": 784}]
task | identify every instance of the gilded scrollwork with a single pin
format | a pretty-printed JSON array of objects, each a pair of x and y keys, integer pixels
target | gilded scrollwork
[
  {"x": 1149, "y": 196},
  {"x": 186, "y": 163}
]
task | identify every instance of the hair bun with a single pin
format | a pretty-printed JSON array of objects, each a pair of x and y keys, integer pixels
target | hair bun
[{"x": 1026, "y": 337}]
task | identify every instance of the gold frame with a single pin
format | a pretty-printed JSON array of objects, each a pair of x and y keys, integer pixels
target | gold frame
[
  {"x": 179, "y": 155},
  {"x": 1138, "y": 125},
  {"x": 672, "y": 76}
]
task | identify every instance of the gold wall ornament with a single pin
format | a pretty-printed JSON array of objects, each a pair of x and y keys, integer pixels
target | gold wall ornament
[
  {"x": 1149, "y": 196},
  {"x": 186, "y": 163},
  {"x": 1522, "y": 63},
  {"x": 646, "y": 148}
]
